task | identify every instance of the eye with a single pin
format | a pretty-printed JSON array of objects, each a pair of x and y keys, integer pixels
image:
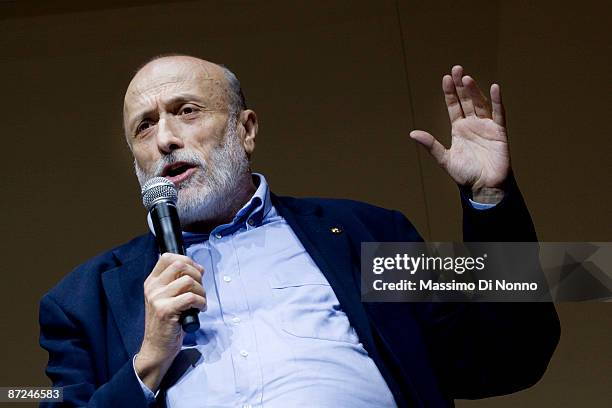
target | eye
[
  {"x": 143, "y": 126},
  {"x": 187, "y": 109}
]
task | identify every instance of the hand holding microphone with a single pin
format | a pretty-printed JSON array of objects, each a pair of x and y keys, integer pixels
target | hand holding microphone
[
  {"x": 159, "y": 196},
  {"x": 173, "y": 291}
]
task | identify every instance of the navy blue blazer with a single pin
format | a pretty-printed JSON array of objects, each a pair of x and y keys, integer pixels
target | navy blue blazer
[{"x": 92, "y": 322}]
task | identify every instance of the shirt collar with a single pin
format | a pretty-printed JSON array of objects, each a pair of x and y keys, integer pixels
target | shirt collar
[{"x": 251, "y": 215}]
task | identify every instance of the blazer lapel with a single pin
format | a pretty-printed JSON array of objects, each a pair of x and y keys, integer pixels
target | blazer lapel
[{"x": 124, "y": 290}]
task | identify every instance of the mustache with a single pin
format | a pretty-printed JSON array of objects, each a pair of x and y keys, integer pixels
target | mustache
[{"x": 191, "y": 158}]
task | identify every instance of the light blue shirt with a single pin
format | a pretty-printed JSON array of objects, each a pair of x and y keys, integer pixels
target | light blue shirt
[{"x": 274, "y": 334}]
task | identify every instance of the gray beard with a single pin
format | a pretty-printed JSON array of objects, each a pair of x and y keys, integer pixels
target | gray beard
[{"x": 211, "y": 192}]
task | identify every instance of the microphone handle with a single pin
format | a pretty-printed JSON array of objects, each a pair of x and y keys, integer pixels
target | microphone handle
[{"x": 169, "y": 239}]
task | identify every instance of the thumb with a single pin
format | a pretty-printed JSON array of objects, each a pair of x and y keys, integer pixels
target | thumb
[{"x": 435, "y": 148}]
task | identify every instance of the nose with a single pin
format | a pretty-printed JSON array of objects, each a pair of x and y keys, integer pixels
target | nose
[{"x": 168, "y": 139}]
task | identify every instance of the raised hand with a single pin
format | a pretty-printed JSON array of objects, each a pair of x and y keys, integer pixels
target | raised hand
[{"x": 478, "y": 157}]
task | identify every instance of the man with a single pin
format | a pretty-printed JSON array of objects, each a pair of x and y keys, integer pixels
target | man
[{"x": 276, "y": 279}]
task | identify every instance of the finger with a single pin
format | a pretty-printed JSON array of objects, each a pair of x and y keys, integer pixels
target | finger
[
  {"x": 178, "y": 269},
  {"x": 435, "y": 148},
  {"x": 167, "y": 259},
  {"x": 452, "y": 100},
  {"x": 188, "y": 300},
  {"x": 481, "y": 105},
  {"x": 499, "y": 114},
  {"x": 167, "y": 308},
  {"x": 181, "y": 285},
  {"x": 464, "y": 95}
]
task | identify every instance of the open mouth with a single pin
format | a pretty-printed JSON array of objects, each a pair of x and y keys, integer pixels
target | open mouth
[{"x": 178, "y": 172}]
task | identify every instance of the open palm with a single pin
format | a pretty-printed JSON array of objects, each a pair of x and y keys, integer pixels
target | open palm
[{"x": 478, "y": 157}]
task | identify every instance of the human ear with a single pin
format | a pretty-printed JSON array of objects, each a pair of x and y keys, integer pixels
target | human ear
[{"x": 248, "y": 123}]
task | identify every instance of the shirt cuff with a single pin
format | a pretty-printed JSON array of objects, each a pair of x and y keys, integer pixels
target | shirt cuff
[
  {"x": 481, "y": 206},
  {"x": 147, "y": 392}
]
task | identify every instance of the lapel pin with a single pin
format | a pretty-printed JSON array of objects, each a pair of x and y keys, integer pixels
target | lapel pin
[{"x": 336, "y": 230}]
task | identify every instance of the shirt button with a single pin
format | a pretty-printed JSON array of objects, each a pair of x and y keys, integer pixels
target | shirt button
[
  {"x": 236, "y": 320},
  {"x": 250, "y": 221},
  {"x": 218, "y": 236},
  {"x": 244, "y": 353},
  {"x": 227, "y": 278}
]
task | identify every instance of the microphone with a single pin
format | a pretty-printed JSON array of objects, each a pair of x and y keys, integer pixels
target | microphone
[{"x": 159, "y": 196}]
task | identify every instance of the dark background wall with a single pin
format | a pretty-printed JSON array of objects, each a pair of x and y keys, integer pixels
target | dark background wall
[{"x": 337, "y": 86}]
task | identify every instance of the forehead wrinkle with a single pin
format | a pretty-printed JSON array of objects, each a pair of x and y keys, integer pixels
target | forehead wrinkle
[
  {"x": 158, "y": 94},
  {"x": 159, "y": 87},
  {"x": 171, "y": 79},
  {"x": 173, "y": 100}
]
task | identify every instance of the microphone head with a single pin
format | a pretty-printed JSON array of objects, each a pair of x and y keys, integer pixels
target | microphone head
[{"x": 158, "y": 189}]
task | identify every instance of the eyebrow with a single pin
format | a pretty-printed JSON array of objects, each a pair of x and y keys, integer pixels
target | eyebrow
[{"x": 181, "y": 98}]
